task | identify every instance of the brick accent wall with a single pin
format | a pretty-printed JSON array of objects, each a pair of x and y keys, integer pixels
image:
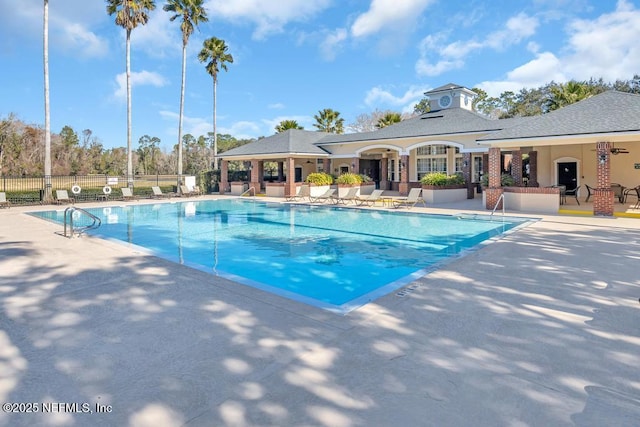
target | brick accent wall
[
  {"x": 403, "y": 187},
  {"x": 533, "y": 169},
  {"x": 492, "y": 195},
  {"x": 494, "y": 167},
  {"x": 290, "y": 186},
  {"x": 603, "y": 195},
  {"x": 516, "y": 167},
  {"x": 466, "y": 173},
  {"x": 255, "y": 175}
]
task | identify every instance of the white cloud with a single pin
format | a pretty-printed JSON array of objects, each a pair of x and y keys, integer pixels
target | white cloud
[
  {"x": 268, "y": 16},
  {"x": 388, "y": 13},
  {"x": 332, "y": 44},
  {"x": 605, "y": 47},
  {"x": 380, "y": 98},
  {"x": 437, "y": 58},
  {"x": 157, "y": 36},
  {"x": 276, "y": 106},
  {"x": 81, "y": 41},
  {"x": 137, "y": 79},
  {"x": 535, "y": 73}
]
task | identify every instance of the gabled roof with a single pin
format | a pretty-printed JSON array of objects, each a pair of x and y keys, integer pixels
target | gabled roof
[
  {"x": 443, "y": 122},
  {"x": 608, "y": 112},
  {"x": 292, "y": 141}
]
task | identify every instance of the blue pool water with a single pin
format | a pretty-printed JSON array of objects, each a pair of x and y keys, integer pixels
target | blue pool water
[{"x": 334, "y": 258}]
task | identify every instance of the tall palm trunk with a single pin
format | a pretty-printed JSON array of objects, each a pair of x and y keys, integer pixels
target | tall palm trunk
[
  {"x": 129, "y": 152},
  {"x": 215, "y": 130},
  {"x": 47, "y": 115},
  {"x": 184, "y": 73}
]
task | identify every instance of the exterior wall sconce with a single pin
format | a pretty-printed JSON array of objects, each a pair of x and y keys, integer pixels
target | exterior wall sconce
[
  {"x": 602, "y": 158},
  {"x": 465, "y": 164}
]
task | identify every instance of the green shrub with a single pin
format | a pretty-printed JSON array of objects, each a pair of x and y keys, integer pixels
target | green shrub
[
  {"x": 440, "y": 179},
  {"x": 506, "y": 180},
  {"x": 349, "y": 178},
  {"x": 365, "y": 178},
  {"x": 319, "y": 178}
]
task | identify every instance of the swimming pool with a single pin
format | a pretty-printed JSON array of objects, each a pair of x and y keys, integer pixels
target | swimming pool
[{"x": 333, "y": 258}]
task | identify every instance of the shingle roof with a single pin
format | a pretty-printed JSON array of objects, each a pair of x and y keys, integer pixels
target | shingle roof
[
  {"x": 442, "y": 122},
  {"x": 608, "y": 112},
  {"x": 291, "y": 141}
]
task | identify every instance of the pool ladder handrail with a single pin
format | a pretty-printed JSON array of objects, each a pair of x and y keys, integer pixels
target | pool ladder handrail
[
  {"x": 249, "y": 191},
  {"x": 501, "y": 198},
  {"x": 68, "y": 213}
]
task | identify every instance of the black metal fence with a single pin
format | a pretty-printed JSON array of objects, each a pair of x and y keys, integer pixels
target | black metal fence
[{"x": 31, "y": 190}]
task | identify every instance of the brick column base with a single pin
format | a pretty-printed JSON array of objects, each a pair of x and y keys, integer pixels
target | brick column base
[
  {"x": 403, "y": 188},
  {"x": 603, "y": 202},
  {"x": 492, "y": 195}
]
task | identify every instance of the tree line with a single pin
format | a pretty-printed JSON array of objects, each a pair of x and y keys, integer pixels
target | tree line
[{"x": 22, "y": 153}]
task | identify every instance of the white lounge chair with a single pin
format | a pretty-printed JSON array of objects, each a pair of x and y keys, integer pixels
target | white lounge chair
[
  {"x": 301, "y": 193},
  {"x": 327, "y": 196},
  {"x": 371, "y": 199},
  {"x": 4, "y": 203},
  {"x": 62, "y": 196},
  {"x": 351, "y": 196},
  {"x": 414, "y": 197},
  {"x": 158, "y": 194},
  {"x": 127, "y": 194}
]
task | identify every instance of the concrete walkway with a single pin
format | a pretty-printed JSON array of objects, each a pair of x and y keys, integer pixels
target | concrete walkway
[{"x": 540, "y": 328}]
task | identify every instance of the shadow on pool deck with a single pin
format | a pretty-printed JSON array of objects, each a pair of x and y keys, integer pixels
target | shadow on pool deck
[{"x": 538, "y": 328}]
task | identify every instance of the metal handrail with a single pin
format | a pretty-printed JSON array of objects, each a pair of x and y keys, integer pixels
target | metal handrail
[
  {"x": 248, "y": 191},
  {"x": 68, "y": 213},
  {"x": 496, "y": 206}
]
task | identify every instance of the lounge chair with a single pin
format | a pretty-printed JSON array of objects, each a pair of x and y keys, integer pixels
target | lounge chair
[
  {"x": 302, "y": 191},
  {"x": 127, "y": 194},
  {"x": 158, "y": 194},
  {"x": 62, "y": 196},
  {"x": 414, "y": 197},
  {"x": 327, "y": 196},
  {"x": 371, "y": 199},
  {"x": 187, "y": 192},
  {"x": 351, "y": 196},
  {"x": 4, "y": 203}
]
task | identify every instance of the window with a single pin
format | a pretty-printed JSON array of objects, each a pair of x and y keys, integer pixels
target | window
[
  {"x": 391, "y": 173},
  {"x": 431, "y": 158},
  {"x": 319, "y": 165}
]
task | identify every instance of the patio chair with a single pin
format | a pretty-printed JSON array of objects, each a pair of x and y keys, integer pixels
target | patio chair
[
  {"x": 158, "y": 194},
  {"x": 589, "y": 189},
  {"x": 371, "y": 199},
  {"x": 414, "y": 197},
  {"x": 127, "y": 194},
  {"x": 62, "y": 196},
  {"x": 572, "y": 193},
  {"x": 4, "y": 203},
  {"x": 633, "y": 192},
  {"x": 327, "y": 196},
  {"x": 351, "y": 196}
]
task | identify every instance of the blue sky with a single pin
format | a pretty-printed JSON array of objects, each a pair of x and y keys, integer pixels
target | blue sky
[{"x": 296, "y": 57}]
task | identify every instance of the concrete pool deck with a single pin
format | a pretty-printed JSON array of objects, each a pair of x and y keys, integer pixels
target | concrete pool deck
[{"x": 538, "y": 328}]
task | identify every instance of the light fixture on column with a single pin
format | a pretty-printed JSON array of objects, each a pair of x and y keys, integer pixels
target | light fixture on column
[
  {"x": 465, "y": 164},
  {"x": 602, "y": 158}
]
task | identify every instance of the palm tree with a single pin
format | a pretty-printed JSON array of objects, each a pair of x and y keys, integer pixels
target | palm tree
[
  {"x": 329, "y": 121},
  {"x": 388, "y": 119},
  {"x": 192, "y": 13},
  {"x": 47, "y": 116},
  {"x": 130, "y": 14},
  {"x": 214, "y": 50},
  {"x": 286, "y": 125},
  {"x": 568, "y": 93}
]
